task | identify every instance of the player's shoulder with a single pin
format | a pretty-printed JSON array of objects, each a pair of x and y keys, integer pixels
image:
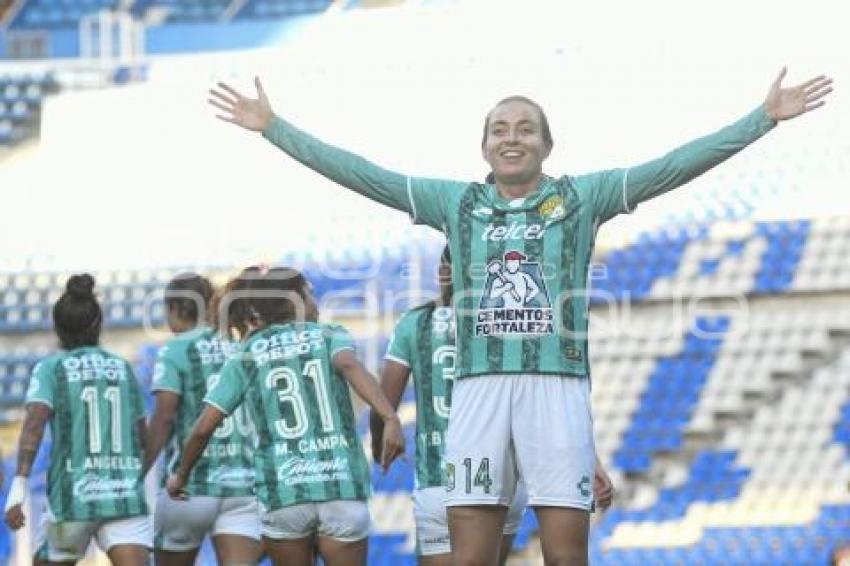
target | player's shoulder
[
  {"x": 49, "y": 363},
  {"x": 411, "y": 318},
  {"x": 331, "y": 329}
]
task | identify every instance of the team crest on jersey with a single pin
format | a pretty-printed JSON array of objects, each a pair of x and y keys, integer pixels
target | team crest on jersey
[
  {"x": 552, "y": 209},
  {"x": 515, "y": 300}
]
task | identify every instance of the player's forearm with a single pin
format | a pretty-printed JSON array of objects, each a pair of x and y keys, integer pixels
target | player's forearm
[
  {"x": 343, "y": 167},
  {"x": 192, "y": 450},
  {"x": 368, "y": 389},
  {"x": 31, "y": 435},
  {"x": 159, "y": 431},
  {"x": 198, "y": 439},
  {"x": 694, "y": 158}
]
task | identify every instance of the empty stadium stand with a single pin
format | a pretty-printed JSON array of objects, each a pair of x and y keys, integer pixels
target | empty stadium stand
[{"x": 20, "y": 105}]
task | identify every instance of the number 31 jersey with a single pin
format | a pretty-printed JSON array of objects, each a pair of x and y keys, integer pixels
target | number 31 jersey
[
  {"x": 308, "y": 449},
  {"x": 95, "y": 456}
]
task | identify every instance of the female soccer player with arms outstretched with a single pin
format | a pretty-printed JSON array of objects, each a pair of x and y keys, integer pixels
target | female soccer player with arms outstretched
[{"x": 521, "y": 248}]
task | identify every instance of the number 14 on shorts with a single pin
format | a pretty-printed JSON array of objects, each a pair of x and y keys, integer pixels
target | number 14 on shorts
[{"x": 480, "y": 480}]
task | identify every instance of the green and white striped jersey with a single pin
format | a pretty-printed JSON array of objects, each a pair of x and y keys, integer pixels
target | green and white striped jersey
[
  {"x": 520, "y": 267},
  {"x": 307, "y": 446},
  {"x": 189, "y": 365},
  {"x": 424, "y": 341},
  {"x": 96, "y": 453}
]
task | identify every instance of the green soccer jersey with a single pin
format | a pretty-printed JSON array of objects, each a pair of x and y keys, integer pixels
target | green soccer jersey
[
  {"x": 424, "y": 341},
  {"x": 189, "y": 365},
  {"x": 519, "y": 268},
  {"x": 307, "y": 446},
  {"x": 96, "y": 454}
]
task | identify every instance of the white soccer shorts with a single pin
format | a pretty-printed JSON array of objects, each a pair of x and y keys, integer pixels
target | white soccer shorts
[
  {"x": 67, "y": 541},
  {"x": 182, "y": 525},
  {"x": 342, "y": 520},
  {"x": 534, "y": 427},
  {"x": 432, "y": 523}
]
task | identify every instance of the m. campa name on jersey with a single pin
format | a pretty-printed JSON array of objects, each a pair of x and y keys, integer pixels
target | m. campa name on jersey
[{"x": 319, "y": 444}]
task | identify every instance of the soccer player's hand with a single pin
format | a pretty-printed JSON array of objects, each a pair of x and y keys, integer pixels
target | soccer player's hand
[
  {"x": 603, "y": 488},
  {"x": 786, "y": 103},
  {"x": 253, "y": 114},
  {"x": 176, "y": 488},
  {"x": 393, "y": 442},
  {"x": 14, "y": 513}
]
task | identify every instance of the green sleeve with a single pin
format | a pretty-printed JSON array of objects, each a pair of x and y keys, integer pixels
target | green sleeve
[
  {"x": 619, "y": 191},
  {"x": 139, "y": 407},
  {"x": 338, "y": 339},
  {"x": 166, "y": 373},
  {"x": 399, "y": 348},
  {"x": 427, "y": 201},
  {"x": 228, "y": 392},
  {"x": 40, "y": 389}
]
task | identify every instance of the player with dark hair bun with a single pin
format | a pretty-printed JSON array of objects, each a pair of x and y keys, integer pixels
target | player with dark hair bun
[{"x": 95, "y": 409}]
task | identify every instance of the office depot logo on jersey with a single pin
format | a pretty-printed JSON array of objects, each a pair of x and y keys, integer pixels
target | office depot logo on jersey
[{"x": 515, "y": 300}]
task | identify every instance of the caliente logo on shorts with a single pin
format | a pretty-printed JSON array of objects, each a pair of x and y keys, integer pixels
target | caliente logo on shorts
[
  {"x": 298, "y": 470},
  {"x": 91, "y": 487},
  {"x": 515, "y": 300}
]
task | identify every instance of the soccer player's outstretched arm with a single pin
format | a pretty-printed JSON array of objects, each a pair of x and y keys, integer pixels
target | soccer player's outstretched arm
[
  {"x": 198, "y": 439},
  {"x": 394, "y": 379},
  {"x": 159, "y": 429},
  {"x": 347, "y": 364},
  {"x": 31, "y": 434},
  {"x": 620, "y": 190},
  {"x": 424, "y": 199}
]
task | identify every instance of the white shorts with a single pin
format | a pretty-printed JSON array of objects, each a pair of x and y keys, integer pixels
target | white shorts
[
  {"x": 67, "y": 541},
  {"x": 534, "y": 427},
  {"x": 182, "y": 525},
  {"x": 342, "y": 520},
  {"x": 432, "y": 523}
]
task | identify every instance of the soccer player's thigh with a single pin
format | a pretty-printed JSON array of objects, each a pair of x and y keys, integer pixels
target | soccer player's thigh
[
  {"x": 289, "y": 534},
  {"x": 236, "y": 531},
  {"x": 180, "y": 527},
  {"x": 65, "y": 542},
  {"x": 433, "y": 546},
  {"x": 553, "y": 435},
  {"x": 344, "y": 532},
  {"x": 513, "y": 520},
  {"x": 127, "y": 541},
  {"x": 480, "y": 465}
]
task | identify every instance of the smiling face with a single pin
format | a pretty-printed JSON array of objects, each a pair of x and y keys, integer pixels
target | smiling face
[{"x": 516, "y": 142}]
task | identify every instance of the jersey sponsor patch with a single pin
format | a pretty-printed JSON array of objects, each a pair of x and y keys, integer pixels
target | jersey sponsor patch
[{"x": 515, "y": 300}]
